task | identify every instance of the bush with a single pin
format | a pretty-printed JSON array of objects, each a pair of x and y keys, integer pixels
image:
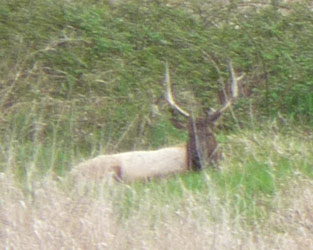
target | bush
[{"x": 80, "y": 72}]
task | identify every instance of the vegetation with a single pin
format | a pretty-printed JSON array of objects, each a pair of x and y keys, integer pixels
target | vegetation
[
  {"x": 261, "y": 198},
  {"x": 79, "y": 78}
]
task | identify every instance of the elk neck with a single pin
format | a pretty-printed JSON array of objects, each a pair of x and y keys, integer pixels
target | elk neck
[{"x": 201, "y": 145}]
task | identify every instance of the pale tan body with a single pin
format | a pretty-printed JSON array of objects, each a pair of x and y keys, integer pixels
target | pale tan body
[{"x": 136, "y": 165}]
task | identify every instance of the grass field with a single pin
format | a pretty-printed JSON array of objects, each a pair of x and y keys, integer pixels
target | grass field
[{"x": 260, "y": 198}]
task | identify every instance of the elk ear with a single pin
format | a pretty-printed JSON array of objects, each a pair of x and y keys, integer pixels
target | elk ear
[
  {"x": 213, "y": 115},
  {"x": 177, "y": 123}
]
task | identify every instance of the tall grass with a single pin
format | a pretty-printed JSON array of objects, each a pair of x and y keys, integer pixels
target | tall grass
[{"x": 259, "y": 198}]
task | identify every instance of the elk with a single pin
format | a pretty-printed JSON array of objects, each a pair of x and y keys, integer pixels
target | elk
[{"x": 200, "y": 151}]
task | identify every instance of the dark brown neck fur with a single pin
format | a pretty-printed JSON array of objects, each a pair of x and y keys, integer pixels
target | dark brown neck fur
[{"x": 202, "y": 144}]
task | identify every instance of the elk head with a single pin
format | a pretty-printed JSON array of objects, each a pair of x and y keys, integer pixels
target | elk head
[{"x": 202, "y": 146}]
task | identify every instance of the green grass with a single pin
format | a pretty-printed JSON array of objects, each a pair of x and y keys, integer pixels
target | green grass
[{"x": 259, "y": 167}]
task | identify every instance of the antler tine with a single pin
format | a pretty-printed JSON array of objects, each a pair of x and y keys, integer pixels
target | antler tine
[
  {"x": 169, "y": 93},
  {"x": 234, "y": 88},
  {"x": 234, "y": 85}
]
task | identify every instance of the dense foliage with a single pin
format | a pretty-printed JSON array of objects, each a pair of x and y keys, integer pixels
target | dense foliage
[{"x": 78, "y": 72}]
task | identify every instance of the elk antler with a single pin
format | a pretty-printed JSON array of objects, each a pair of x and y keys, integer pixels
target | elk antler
[
  {"x": 217, "y": 113},
  {"x": 234, "y": 90},
  {"x": 169, "y": 94}
]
